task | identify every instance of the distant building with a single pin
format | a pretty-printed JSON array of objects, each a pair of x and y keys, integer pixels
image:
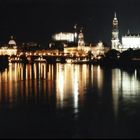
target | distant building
[
  {"x": 130, "y": 41},
  {"x": 63, "y": 39},
  {"x": 65, "y": 36},
  {"x": 81, "y": 42},
  {"x": 10, "y": 48},
  {"x": 80, "y": 47},
  {"x": 115, "y": 34},
  {"x": 74, "y": 44},
  {"x": 12, "y": 43},
  {"x": 99, "y": 49}
]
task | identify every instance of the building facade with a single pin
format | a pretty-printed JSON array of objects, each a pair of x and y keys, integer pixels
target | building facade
[
  {"x": 130, "y": 41},
  {"x": 65, "y": 36},
  {"x": 10, "y": 49},
  {"x": 127, "y": 41},
  {"x": 81, "y": 42},
  {"x": 115, "y": 43}
]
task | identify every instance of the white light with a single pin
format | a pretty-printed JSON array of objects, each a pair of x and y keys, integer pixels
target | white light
[
  {"x": 131, "y": 42},
  {"x": 64, "y": 37},
  {"x": 75, "y": 91}
]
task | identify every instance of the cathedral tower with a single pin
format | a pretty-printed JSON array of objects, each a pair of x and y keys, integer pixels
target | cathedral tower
[
  {"x": 81, "y": 42},
  {"x": 115, "y": 34}
]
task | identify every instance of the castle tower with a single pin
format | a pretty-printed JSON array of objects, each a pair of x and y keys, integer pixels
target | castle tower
[
  {"x": 115, "y": 34},
  {"x": 81, "y": 42}
]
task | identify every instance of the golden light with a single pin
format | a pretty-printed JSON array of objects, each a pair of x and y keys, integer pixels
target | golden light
[{"x": 6, "y": 51}]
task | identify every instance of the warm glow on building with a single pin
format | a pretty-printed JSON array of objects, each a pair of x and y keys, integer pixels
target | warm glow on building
[
  {"x": 10, "y": 48},
  {"x": 8, "y": 51}
]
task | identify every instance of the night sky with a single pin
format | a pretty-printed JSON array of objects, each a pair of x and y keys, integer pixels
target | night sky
[{"x": 37, "y": 20}]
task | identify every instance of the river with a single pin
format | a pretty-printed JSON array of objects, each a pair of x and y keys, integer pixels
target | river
[{"x": 69, "y": 101}]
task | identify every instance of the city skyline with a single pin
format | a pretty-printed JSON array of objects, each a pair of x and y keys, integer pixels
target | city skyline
[
  {"x": 69, "y": 69},
  {"x": 38, "y": 20}
]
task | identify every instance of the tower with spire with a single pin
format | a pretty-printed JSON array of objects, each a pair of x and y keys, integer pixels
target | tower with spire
[
  {"x": 81, "y": 42},
  {"x": 115, "y": 33}
]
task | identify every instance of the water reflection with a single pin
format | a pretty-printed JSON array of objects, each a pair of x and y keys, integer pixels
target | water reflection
[
  {"x": 95, "y": 96},
  {"x": 40, "y": 82},
  {"x": 71, "y": 81},
  {"x": 66, "y": 81},
  {"x": 125, "y": 89}
]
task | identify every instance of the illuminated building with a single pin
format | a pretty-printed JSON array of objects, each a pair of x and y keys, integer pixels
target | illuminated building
[
  {"x": 64, "y": 39},
  {"x": 99, "y": 49},
  {"x": 81, "y": 42},
  {"x": 63, "y": 42},
  {"x": 12, "y": 42},
  {"x": 81, "y": 48},
  {"x": 130, "y": 41},
  {"x": 65, "y": 36},
  {"x": 115, "y": 34},
  {"x": 10, "y": 49}
]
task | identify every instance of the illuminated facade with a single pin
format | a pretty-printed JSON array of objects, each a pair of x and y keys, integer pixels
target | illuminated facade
[
  {"x": 69, "y": 37},
  {"x": 12, "y": 42},
  {"x": 99, "y": 49},
  {"x": 115, "y": 34},
  {"x": 10, "y": 49},
  {"x": 81, "y": 42},
  {"x": 81, "y": 48},
  {"x": 130, "y": 41}
]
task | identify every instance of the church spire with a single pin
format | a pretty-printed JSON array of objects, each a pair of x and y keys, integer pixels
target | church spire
[
  {"x": 115, "y": 23},
  {"x": 115, "y": 32},
  {"x": 115, "y": 16},
  {"x": 81, "y": 42},
  {"x": 128, "y": 32}
]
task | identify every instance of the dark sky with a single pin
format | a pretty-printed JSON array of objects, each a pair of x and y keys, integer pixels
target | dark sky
[{"x": 36, "y": 20}]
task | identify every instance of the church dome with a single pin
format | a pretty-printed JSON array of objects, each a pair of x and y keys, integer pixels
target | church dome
[{"x": 12, "y": 41}]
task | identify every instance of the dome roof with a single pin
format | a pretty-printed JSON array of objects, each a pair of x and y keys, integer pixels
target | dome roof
[{"x": 12, "y": 41}]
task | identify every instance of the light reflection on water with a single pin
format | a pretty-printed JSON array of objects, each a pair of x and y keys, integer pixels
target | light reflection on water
[
  {"x": 69, "y": 82},
  {"x": 96, "y": 91}
]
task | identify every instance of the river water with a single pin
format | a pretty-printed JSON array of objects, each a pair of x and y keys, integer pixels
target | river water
[{"x": 69, "y": 101}]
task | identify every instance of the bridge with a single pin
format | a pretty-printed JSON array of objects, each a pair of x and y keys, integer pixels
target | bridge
[{"x": 30, "y": 57}]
